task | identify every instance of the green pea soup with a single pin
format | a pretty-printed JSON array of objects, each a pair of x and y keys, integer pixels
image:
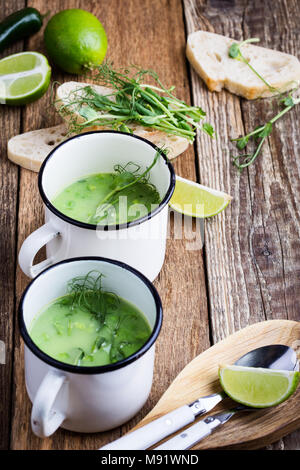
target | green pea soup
[
  {"x": 90, "y": 330},
  {"x": 107, "y": 197}
]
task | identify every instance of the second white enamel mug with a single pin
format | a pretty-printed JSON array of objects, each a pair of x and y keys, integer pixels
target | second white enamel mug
[
  {"x": 81, "y": 398},
  {"x": 140, "y": 243}
]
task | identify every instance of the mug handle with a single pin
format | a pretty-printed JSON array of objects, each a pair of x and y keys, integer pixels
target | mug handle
[
  {"x": 31, "y": 246},
  {"x": 45, "y": 420}
]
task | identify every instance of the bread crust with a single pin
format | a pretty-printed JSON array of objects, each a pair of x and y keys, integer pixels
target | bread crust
[
  {"x": 208, "y": 54},
  {"x": 31, "y": 148}
]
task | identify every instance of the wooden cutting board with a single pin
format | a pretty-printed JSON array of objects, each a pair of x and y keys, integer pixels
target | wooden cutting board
[{"x": 252, "y": 430}]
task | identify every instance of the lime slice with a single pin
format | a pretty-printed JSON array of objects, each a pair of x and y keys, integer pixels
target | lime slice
[
  {"x": 190, "y": 198},
  {"x": 258, "y": 387},
  {"x": 24, "y": 77}
]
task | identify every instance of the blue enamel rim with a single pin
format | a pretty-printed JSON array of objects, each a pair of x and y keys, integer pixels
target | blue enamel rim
[
  {"x": 64, "y": 217},
  {"x": 92, "y": 369}
]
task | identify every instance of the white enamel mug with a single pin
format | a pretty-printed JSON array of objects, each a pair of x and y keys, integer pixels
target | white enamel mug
[
  {"x": 140, "y": 243},
  {"x": 82, "y": 398}
]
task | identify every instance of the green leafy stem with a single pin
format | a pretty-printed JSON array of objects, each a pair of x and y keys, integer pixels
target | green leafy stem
[
  {"x": 132, "y": 101},
  {"x": 124, "y": 180},
  {"x": 236, "y": 53},
  {"x": 260, "y": 133}
]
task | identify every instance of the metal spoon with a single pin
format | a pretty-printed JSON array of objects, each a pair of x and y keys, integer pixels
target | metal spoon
[
  {"x": 276, "y": 356},
  {"x": 273, "y": 357}
]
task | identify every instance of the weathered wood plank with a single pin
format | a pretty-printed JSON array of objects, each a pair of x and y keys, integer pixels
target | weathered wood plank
[
  {"x": 138, "y": 32},
  {"x": 275, "y": 180},
  {"x": 225, "y": 235},
  {"x": 10, "y": 124},
  {"x": 252, "y": 249}
]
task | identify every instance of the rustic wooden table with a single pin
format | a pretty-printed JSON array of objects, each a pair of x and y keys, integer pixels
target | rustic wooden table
[{"x": 249, "y": 268}]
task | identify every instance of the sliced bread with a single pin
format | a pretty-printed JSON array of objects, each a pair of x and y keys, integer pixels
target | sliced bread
[
  {"x": 31, "y": 148},
  {"x": 208, "y": 54}
]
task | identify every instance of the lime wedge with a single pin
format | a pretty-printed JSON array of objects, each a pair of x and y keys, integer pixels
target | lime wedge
[
  {"x": 24, "y": 78},
  {"x": 190, "y": 198},
  {"x": 258, "y": 387}
]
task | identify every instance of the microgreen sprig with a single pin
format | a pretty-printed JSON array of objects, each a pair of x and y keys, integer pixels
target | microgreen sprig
[
  {"x": 86, "y": 292},
  {"x": 126, "y": 176},
  {"x": 236, "y": 53},
  {"x": 132, "y": 101},
  {"x": 260, "y": 133}
]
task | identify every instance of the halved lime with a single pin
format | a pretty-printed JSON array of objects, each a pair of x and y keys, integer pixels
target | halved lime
[
  {"x": 196, "y": 200},
  {"x": 258, "y": 387},
  {"x": 24, "y": 77}
]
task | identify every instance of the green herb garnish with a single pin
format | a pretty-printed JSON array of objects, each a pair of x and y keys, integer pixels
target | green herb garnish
[
  {"x": 86, "y": 292},
  {"x": 115, "y": 353},
  {"x": 79, "y": 355},
  {"x": 260, "y": 133},
  {"x": 58, "y": 327},
  {"x": 126, "y": 176},
  {"x": 104, "y": 327},
  {"x": 133, "y": 101},
  {"x": 235, "y": 53},
  {"x": 97, "y": 344}
]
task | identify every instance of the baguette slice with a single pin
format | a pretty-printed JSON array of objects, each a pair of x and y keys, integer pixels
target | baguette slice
[
  {"x": 69, "y": 90},
  {"x": 31, "y": 148},
  {"x": 208, "y": 54}
]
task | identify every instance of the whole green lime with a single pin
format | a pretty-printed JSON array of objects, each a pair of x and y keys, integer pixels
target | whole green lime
[{"x": 75, "y": 40}]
